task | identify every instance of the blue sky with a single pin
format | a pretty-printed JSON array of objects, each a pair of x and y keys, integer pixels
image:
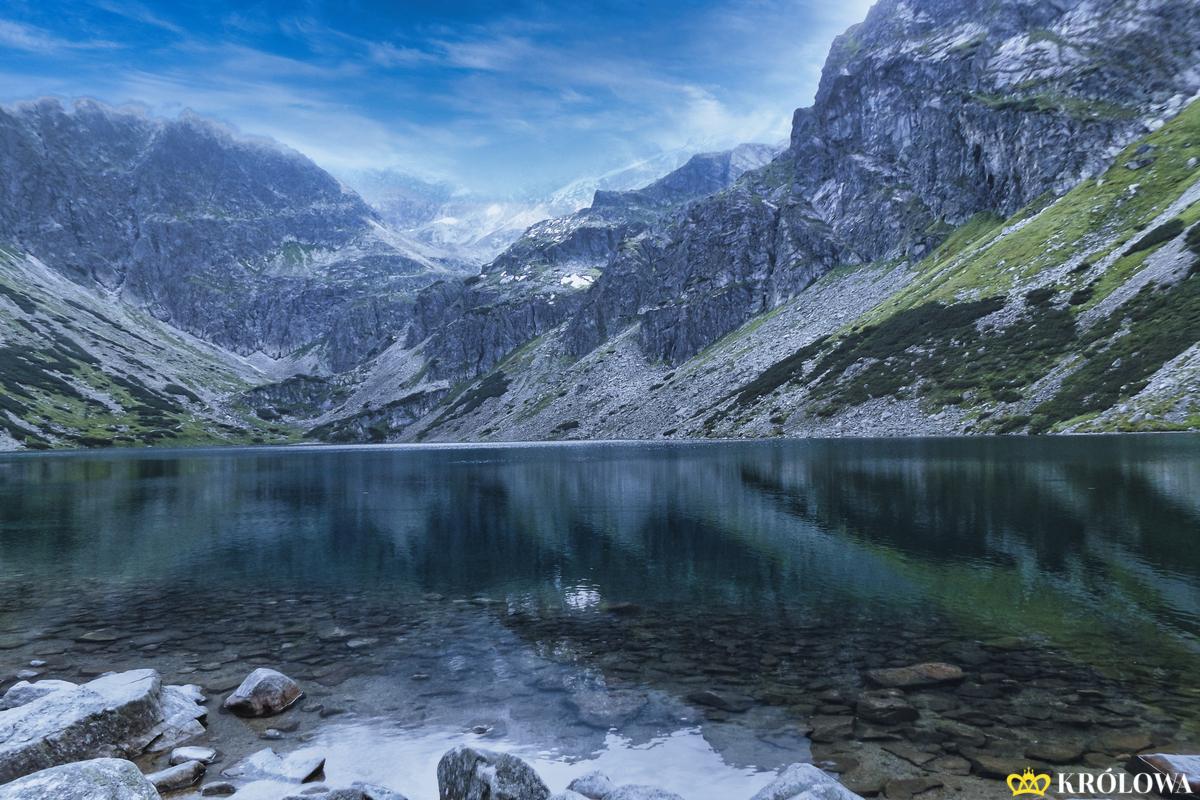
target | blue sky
[{"x": 498, "y": 98}]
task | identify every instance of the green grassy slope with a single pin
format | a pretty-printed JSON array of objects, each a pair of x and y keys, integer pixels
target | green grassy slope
[{"x": 76, "y": 371}]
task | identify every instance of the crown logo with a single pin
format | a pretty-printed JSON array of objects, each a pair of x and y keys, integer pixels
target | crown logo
[{"x": 1028, "y": 783}]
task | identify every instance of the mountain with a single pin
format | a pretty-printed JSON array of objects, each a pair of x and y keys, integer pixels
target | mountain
[
  {"x": 988, "y": 221},
  {"x": 239, "y": 242},
  {"x": 150, "y": 269},
  {"x": 984, "y": 223},
  {"x": 463, "y": 327}
]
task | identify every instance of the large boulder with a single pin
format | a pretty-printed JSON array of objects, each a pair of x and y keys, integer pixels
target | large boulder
[
  {"x": 123, "y": 714},
  {"x": 805, "y": 782},
  {"x": 263, "y": 693},
  {"x": 595, "y": 785},
  {"x": 98, "y": 779},
  {"x": 467, "y": 773}
]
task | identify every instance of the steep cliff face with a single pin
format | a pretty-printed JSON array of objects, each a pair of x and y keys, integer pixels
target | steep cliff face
[
  {"x": 242, "y": 243},
  {"x": 929, "y": 112}
]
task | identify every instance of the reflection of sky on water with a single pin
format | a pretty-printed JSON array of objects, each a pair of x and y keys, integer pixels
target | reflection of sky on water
[{"x": 405, "y": 761}]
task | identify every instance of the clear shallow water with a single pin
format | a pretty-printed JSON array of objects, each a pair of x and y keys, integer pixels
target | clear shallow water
[{"x": 572, "y": 602}]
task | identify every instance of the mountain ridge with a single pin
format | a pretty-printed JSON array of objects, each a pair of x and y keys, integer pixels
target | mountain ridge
[{"x": 987, "y": 222}]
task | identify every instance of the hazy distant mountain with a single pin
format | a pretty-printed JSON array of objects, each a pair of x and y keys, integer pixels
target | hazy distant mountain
[{"x": 475, "y": 229}]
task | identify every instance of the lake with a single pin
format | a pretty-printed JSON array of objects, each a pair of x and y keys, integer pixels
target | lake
[{"x": 695, "y": 616}]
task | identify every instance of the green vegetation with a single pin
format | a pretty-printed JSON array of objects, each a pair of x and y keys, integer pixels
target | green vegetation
[
  {"x": 1192, "y": 240},
  {"x": 1163, "y": 233},
  {"x": 1125, "y": 350}
]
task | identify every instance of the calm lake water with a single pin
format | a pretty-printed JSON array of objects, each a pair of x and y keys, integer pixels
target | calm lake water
[{"x": 692, "y": 616}]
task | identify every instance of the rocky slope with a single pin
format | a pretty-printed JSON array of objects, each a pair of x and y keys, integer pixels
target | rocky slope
[{"x": 926, "y": 192}]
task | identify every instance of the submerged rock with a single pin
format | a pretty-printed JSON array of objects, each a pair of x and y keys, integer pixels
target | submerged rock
[
  {"x": 356, "y": 791},
  {"x": 217, "y": 789},
  {"x": 604, "y": 709},
  {"x": 885, "y": 708},
  {"x": 721, "y": 700},
  {"x": 467, "y": 773},
  {"x": 123, "y": 714},
  {"x": 98, "y": 779},
  {"x": 917, "y": 675},
  {"x": 805, "y": 782},
  {"x": 264, "y": 692}
]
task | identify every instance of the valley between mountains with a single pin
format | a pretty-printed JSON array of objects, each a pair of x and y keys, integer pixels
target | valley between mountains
[{"x": 988, "y": 222}]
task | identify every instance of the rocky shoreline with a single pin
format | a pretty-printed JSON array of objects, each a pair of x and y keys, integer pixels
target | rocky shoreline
[
  {"x": 85, "y": 742},
  {"x": 912, "y": 715}
]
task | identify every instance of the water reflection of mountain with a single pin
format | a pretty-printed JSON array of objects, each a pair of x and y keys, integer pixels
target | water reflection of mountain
[{"x": 1098, "y": 528}]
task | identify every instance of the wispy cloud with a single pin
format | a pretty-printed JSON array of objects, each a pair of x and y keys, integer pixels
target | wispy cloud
[
  {"x": 139, "y": 13},
  {"x": 29, "y": 38}
]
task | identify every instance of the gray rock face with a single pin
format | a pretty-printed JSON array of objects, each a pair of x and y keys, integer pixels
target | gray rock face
[
  {"x": 122, "y": 714},
  {"x": 264, "y": 692},
  {"x": 98, "y": 779},
  {"x": 241, "y": 242},
  {"x": 538, "y": 282},
  {"x": 467, "y": 773},
  {"x": 805, "y": 782}
]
